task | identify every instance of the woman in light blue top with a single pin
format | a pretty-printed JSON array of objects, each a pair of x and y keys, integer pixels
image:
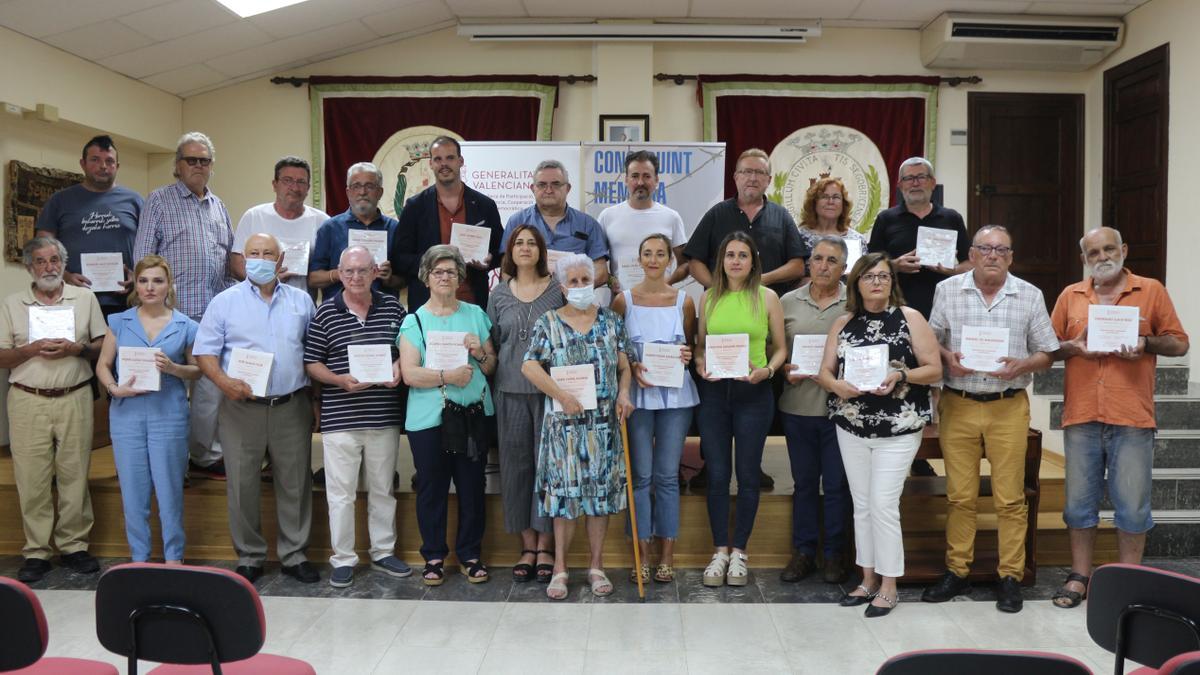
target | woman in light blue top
[
  {"x": 149, "y": 429},
  {"x": 655, "y": 312},
  {"x": 431, "y": 387}
]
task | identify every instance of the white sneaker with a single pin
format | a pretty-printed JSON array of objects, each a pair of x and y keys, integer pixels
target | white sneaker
[
  {"x": 737, "y": 575},
  {"x": 714, "y": 574}
]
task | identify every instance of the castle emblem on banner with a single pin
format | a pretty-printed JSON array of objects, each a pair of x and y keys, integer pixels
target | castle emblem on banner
[
  {"x": 828, "y": 150},
  {"x": 404, "y": 161}
]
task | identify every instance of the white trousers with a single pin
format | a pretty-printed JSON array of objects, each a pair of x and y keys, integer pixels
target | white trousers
[
  {"x": 876, "y": 469},
  {"x": 375, "y": 451}
]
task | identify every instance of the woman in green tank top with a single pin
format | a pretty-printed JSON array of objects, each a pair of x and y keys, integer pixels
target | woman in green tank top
[{"x": 736, "y": 400}]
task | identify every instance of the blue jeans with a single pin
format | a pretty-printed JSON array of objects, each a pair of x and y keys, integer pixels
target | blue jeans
[
  {"x": 656, "y": 440},
  {"x": 733, "y": 412},
  {"x": 816, "y": 463},
  {"x": 151, "y": 454},
  {"x": 1126, "y": 454}
]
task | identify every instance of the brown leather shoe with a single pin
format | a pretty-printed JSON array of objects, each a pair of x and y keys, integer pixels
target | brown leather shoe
[{"x": 801, "y": 565}]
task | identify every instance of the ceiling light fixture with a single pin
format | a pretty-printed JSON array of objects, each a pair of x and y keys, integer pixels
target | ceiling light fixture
[{"x": 245, "y": 8}]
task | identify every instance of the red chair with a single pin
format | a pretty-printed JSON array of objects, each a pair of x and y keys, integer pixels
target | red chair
[
  {"x": 182, "y": 616},
  {"x": 24, "y": 636},
  {"x": 1144, "y": 614},
  {"x": 981, "y": 662},
  {"x": 1184, "y": 664}
]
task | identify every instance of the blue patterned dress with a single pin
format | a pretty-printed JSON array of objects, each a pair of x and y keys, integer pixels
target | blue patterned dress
[{"x": 580, "y": 459}]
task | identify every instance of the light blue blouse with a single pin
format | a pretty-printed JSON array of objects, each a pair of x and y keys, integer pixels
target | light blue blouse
[
  {"x": 174, "y": 340},
  {"x": 425, "y": 403},
  {"x": 663, "y": 325}
]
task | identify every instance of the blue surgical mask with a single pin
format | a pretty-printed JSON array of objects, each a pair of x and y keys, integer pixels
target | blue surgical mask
[
  {"x": 260, "y": 270},
  {"x": 582, "y": 297}
]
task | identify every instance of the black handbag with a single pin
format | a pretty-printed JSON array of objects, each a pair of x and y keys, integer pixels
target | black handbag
[{"x": 464, "y": 427}]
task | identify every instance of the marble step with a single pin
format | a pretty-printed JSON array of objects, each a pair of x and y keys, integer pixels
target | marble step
[
  {"x": 1170, "y": 490},
  {"x": 1176, "y": 449},
  {"x": 1169, "y": 379},
  {"x": 1175, "y": 533},
  {"x": 1171, "y": 412}
]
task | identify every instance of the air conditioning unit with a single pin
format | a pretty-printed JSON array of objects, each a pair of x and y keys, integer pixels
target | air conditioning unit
[
  {"x": 1019, "y": 42},
  {"x": 636, "y": 32}
]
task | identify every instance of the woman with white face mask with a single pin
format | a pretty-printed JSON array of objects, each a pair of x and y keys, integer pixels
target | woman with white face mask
[{"x": 580, "y": 463}]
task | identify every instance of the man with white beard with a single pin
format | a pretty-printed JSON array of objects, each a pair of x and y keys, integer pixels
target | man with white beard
[
  {"x": 50, "y": 335},
  {"x": 1108, "y": 404}
]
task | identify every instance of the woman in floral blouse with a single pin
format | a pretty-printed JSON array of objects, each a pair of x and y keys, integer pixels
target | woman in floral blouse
[{"x": 878, "y": 422}]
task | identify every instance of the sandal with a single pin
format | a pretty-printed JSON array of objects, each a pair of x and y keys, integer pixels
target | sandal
[
  {"x": 599, "y": 582},
  {"x": 557, "y": 590},
  {"x": 633, "y": 577},
  {"x": 522, "y": 572},
  {"x": 434, "y": 573},
  {"x": 475, "y": 571},
  {"x": 544, "y": 571},
  {"x": 714, "y": 574},
  {"x": 874, "y": 610},
  {"x": 737, "y": 575},
  {"x": 856, "y": 600},
  {"x": 1073, "y": 598},
  {"x": 664, "y": 573}
]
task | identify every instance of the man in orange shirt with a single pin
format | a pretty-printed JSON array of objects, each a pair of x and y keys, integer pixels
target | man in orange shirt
[{"x": 1108, "y": 404}]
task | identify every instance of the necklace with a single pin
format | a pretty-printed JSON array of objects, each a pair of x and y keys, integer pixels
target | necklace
[{"x": 523, "y": 333}]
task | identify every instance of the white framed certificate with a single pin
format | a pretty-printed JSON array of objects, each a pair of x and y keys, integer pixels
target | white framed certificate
[
  {"x": 936, "y": 246},
  {"x": 552, "y": 258},
  {"x": 631, "y": 274},
  {"x": 55, "y": 322},
  {"x": 1110, "y": 327},
  {"x": 982, "y": 348},
  {"x": 664, "y": 367},
  {"x": 866, "y": 367},
  {"x": 807, "y": 352},
  {"x": 106, "y": 271},
  {"x": 370, "y": 363},
  {"x": 471, "y": 241},
  {"x": 578, "y": 381},
  {"x": 444, "y": 349},
  {"x": 138, "y": 364},
  {"x": 727, "y": 356},
  {"x": 252, "y": 367},
  {"x": 374, "y": 241},
  {"x": 295, "y": 256}
]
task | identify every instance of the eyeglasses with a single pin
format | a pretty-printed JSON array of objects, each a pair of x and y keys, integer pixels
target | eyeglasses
[
  {"x": 197, "y": 161},
  {"x": 357, "y": 272},
  {"x": 876, "y": 277},
  {"x": 830, "y": 198},
  {"x": 443, "y": 273},
  {"x": 753, "y": 172},
  {"x": 998, "y": 250},
  {"x": 293, "y": 182},
  {"x": 541, "y": 186},
  {"x": 922, "y": 177},
  {"x": 359, "y": 187}
]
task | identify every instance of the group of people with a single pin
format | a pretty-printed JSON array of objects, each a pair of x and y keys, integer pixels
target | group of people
[{"x": 248, "y": 366}]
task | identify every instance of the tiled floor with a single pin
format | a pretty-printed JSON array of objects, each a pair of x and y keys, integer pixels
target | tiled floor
[{"x": 384, "y": 625}]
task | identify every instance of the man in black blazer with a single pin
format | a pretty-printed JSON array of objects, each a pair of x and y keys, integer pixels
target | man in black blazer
[{"x": 427, "y": 218}]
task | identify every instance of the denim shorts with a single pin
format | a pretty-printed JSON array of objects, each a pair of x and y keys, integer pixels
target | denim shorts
[{"x": 1119, "y": 457}]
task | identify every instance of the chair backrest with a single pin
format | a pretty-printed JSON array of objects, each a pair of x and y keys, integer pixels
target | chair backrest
[
  {"x": 978, "y": 662},
  {"x": 23, "y": 632},
  {"x": 1184, "y": 664},
  {"x": 1164, "y": 603},
  {"x": 180, "y": 609}
]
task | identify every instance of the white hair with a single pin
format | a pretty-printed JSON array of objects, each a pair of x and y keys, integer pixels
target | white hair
[
  {"x": 1115, "y": 231},
  {"x": 194, "y": 137},
  {"x": 364, "y": 167},
  {"x": 570, "y": 262},
  {"x": 913, "y": 161}
]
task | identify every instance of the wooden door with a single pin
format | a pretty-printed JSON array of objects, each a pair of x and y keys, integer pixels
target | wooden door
[
  {"x": 1135, "y": 158},
  {"x": 1025, "y": 169}
]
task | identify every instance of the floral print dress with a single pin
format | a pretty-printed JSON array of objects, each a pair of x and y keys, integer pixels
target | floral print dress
[
  {"x": 580, "y": 458},
  {"x": 907, "y": 409}
]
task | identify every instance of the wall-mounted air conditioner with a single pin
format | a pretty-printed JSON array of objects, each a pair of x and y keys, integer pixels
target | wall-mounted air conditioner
[{"x": 1019, "y": 42}]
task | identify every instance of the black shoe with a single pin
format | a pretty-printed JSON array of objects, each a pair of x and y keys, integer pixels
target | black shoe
[
  {"x": 873, "y": 610},
  {"x": 1008, "y": 596},
  {"x": 214, "y": 471},
  {"x": 922, "y": 467},
  {"x": 304, "y": 572},
  {"x": 801, "y": 565},
  {"x": 80, "y": 562},
  {"x": 856, "y": 600},
  {"x": 250, "y": 573},
  {"x": 33, "y": 570},
  {"x": 834, "y": 572},
  {"x": 700, "y": 480},
  {"x": 949, "y": 586},
  {"x": 319, "y": 476},
  {"x": 765, "y": 482}
]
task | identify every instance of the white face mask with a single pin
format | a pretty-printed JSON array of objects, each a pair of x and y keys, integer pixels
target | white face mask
[{"x": 582, "y": 297}]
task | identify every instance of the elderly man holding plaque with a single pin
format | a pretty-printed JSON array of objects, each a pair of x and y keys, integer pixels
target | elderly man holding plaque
[
  {"x": 351, "y": 349},
  {"x": 808, "y": 313},
  {"x": 251, "y": 346},
  {"x": 363, "y": 224},
  {"x": 1112, "y": 327},
  {"x": 994, "y": 333},
  {"x": 50, "y": 333},
  {"x": 879, "y": 361}
]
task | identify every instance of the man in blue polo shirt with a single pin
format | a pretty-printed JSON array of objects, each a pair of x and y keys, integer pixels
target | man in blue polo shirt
[
  {"x": 364, "y": 189},
  {"x": 564, "y": 228}
]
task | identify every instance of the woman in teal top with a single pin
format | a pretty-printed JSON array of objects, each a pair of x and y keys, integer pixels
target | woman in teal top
[
  {"x": 736, "y": 410},
  {"x": 442, "y": 269}
]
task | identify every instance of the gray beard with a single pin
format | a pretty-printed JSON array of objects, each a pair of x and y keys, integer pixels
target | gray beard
[
  {"x": 48, "y": 285},
  {"x": 1107, "y": 274}
]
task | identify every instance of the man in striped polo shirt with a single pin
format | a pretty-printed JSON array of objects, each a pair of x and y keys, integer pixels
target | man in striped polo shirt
[{"x": 360, "y": 416}]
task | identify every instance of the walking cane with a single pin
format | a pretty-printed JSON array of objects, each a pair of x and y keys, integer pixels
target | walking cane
[{"x": 637, "y": 554}]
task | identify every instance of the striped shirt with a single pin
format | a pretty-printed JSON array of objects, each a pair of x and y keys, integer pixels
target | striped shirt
[
  {"x": 331, "y": 331},
  {"x": 195, "y": 236}
]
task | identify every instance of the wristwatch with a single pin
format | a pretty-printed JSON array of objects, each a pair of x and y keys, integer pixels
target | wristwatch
[{"x": 770, "y": 372}]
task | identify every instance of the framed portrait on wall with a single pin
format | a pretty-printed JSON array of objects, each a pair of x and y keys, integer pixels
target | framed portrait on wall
[{"x": 625, "y": 128}]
